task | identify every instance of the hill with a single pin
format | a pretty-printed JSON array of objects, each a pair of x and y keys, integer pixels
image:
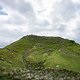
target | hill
[{"x": 39, "y": 51}]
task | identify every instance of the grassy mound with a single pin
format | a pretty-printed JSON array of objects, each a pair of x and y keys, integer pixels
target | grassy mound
[{"x": 55, "y": 52}]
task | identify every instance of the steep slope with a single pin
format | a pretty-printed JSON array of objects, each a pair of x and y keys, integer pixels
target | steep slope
[{"x": 54, "y": 52}]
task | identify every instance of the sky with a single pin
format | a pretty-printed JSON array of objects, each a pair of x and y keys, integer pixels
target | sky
[{"x": 39, "y": 17}]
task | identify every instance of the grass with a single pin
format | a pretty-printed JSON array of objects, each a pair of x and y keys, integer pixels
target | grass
[{"x": 55, "y": 51}]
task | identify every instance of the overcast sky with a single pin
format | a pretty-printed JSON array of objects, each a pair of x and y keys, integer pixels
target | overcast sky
[{"x": 39, "y": 17}]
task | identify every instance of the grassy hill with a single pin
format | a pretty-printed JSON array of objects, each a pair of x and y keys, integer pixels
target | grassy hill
[{"x": 53, "y": 52}]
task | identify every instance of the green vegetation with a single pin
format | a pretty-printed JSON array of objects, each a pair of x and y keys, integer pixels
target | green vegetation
[{"x": 53, "y": 52}]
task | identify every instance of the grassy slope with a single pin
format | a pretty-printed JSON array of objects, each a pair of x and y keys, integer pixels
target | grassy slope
[{"x": 55, "y": 51}]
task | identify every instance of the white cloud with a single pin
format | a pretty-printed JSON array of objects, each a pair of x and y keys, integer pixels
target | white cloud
[{"x": 42, "y": 17}]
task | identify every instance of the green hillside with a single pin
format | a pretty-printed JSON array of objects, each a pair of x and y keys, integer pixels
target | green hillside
[
  {"x": 40, "y": 58},
  {"x": 55, "y": 52}
]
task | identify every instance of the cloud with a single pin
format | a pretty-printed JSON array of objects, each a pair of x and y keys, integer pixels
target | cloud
[
  {"x": 24, "y": 8},
  {"x": 2, "y": 44},
  {"x": 77, "y": 32},
  {"x": 42, "y": 24},
  {"x": 66, "y": 9},
  {"x": 0, "y": 7},
  {"x": 57, "y": 18}
]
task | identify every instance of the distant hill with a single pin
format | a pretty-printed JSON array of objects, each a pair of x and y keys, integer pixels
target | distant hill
[{"x": 53, "y": 52}]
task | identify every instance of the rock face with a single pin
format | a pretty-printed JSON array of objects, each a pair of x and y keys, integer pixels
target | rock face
[{"x": 39, "y": 74}]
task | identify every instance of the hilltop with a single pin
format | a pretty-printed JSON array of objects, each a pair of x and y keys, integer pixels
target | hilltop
[
  {"x": 53, "y": 50},
  {"x": 42, "y": 52}
]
